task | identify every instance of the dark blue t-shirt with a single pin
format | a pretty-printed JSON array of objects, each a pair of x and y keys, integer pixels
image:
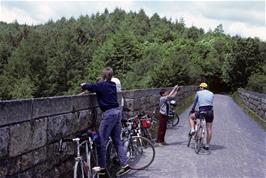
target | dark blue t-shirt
[{"x": 105, "y": 92}]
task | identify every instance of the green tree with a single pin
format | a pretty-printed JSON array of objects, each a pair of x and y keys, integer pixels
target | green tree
[{"x": 242, "y": 62}]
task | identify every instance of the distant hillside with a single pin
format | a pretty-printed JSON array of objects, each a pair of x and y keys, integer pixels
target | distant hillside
[{"x": 54, "y": 58}]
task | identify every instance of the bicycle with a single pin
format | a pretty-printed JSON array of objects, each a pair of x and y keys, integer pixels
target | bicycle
[
  {"x": 141, "y": 123},
  {"x": 173, "y": 118},
  {"x": 139, "y": 151},
  {"x": 199, "y": 135},
  {"x": 83, "y": 163}
]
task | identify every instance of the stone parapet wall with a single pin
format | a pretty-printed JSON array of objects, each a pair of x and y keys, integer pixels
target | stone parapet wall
[
  {"x": 254, "y": 101},
  {"x": 30, "y": 129},
  {"x": 148, "y": 99}
]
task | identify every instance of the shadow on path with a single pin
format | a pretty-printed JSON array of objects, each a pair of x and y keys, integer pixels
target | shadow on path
[
  {"x": 175, "y": 143},
  {"x": 216, "y": 147}
]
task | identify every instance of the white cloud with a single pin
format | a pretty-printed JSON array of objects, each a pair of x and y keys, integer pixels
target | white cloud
[
  {"x": 245, "y": 30},
  {"x": 234, "y": 16},
  {"x": 246, "y": 19},
  {"x": 11, "y": 14}
]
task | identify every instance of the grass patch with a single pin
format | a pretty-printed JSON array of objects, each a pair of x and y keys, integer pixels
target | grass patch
[
  {"x": 185, "y": 103},
  {"x": 251, "y": 113}
]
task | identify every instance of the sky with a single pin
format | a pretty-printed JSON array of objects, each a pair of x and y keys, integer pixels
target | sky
[{"x": 238, "y": 17}]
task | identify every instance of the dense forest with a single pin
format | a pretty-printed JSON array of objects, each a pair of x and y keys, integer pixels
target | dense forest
[{"x": 54, "y": 58}]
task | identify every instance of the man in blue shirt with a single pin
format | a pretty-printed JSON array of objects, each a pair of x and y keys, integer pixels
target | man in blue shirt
[
  {"x": 110, "y": 124},
  {"x": 204, "y": 100}
]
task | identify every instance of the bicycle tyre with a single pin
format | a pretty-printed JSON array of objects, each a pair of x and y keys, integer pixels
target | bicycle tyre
[
  {"x": 189, "y": 140},
  {"x": 87, "y": 166},
  {"x": 175, "y": 120},
  {"x": 78, "y": 170},
  {"x": 141, "y": 151},
  {"x": 112, "y": 160},
  {"x": 198, "y": 140}
]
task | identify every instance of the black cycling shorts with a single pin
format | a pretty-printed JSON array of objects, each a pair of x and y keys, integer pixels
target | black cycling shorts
[{"x": 209, "y": 118}]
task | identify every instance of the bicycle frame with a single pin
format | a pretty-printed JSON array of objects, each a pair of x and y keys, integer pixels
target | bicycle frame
[
  {"x": 85, "y": 164},
  {"x": 200, "y": 132}
]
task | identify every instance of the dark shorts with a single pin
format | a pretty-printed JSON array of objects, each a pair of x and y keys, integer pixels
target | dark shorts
[{"x": 209, "y": 114}]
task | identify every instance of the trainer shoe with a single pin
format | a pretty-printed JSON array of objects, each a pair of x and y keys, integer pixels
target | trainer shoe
[
  {"x": 164, "y": 143},
  {"x": 206, "y": 147},
  {"x": 99, "y": 170},
  {"x": 124, "y": 169},
  {"x": 158, "y": 144},
  {"x": 192, "y": 132}
]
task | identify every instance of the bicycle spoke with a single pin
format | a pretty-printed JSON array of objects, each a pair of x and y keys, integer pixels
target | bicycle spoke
[{"x": 142, "y": 153}]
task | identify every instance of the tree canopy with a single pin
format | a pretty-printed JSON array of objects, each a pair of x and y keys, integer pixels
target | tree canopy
[{"x": 54, "y": 58}]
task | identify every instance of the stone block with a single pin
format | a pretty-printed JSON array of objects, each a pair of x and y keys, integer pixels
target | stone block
[
  {"x": 137, "y": 104},
  {"x": 52, "y": 151},
  {"x": 51, "y": 106},
  {"x": 52, "y": 154},
  {"x": 119, "y": 98},
  {"x": 26, "y": 174},
  {"x": 84, "y": 102},
  {"x": 129, "y": 103},
  {"x": 26, "y": 161},
  {"x": 72, "y": 123},
  {"x": 132, "y": 94},
  {"x": 4, "y": 141},
  {"x": 263, "y": 100},
  {"x": 20, "y": 138},
  {"x": 67, "y": 124},
  {"x": 39, "y": 170},
  {"x": 155, "y": 100},
  {"x": 3, "y": 167},
  {"x": 39, "y": 155},
  {"x": 85, "y": 119},
  {"x": 13, "y": 165},
  {"x": 57, "y": 127},
  {"x": 15, "y": 111},
  {"x": 39, "y": 134}
]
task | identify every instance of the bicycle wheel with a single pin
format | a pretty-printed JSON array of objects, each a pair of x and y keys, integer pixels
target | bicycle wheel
[
  {"x": 78, "y": 169},
  {"x": 140, "y": 152},
  {"x": 112, "y": 160},
  {"x": 189, "y": 139},
  {"x": 146, "y": 133},
  {"x": 175, "y": 120},
  {"x": 198, "y": 140},
  {"x": 87, "y": 167},
  {"x": 90, "y": 163}
]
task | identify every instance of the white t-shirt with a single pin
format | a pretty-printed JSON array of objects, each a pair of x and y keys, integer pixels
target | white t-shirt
[
  {"x": 117, "y": 83},
  {"x": 118, "y": 88}
]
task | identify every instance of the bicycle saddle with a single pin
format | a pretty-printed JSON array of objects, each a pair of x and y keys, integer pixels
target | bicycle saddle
[{"x": 203, "y": 114}]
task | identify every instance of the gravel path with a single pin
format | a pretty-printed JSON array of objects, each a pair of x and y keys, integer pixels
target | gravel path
[{"x": 238, "y": 148}]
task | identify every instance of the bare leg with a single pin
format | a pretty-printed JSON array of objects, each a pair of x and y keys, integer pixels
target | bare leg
[
  {"x": 192, "y": 117},
  {"x": 209, "y": 132}
]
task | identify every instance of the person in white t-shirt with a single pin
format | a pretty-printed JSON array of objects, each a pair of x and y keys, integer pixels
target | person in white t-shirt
[{"x": 118, "y": 88}]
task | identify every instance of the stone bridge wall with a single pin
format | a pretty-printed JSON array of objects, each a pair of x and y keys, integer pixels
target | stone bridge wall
[
  {"x": 30, "y": 129},
  {"x": 254, "y": 101}
]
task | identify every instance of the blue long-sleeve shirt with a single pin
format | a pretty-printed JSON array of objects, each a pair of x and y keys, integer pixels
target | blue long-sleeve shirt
[
  {"x": 203, "y": 98},
  {"x": 106, "y": 94}
]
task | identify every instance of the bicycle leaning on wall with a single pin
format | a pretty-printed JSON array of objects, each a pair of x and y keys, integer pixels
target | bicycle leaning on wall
[
  {"x": 173, "y": 118},
  {"x": 83, "y": 162}
]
